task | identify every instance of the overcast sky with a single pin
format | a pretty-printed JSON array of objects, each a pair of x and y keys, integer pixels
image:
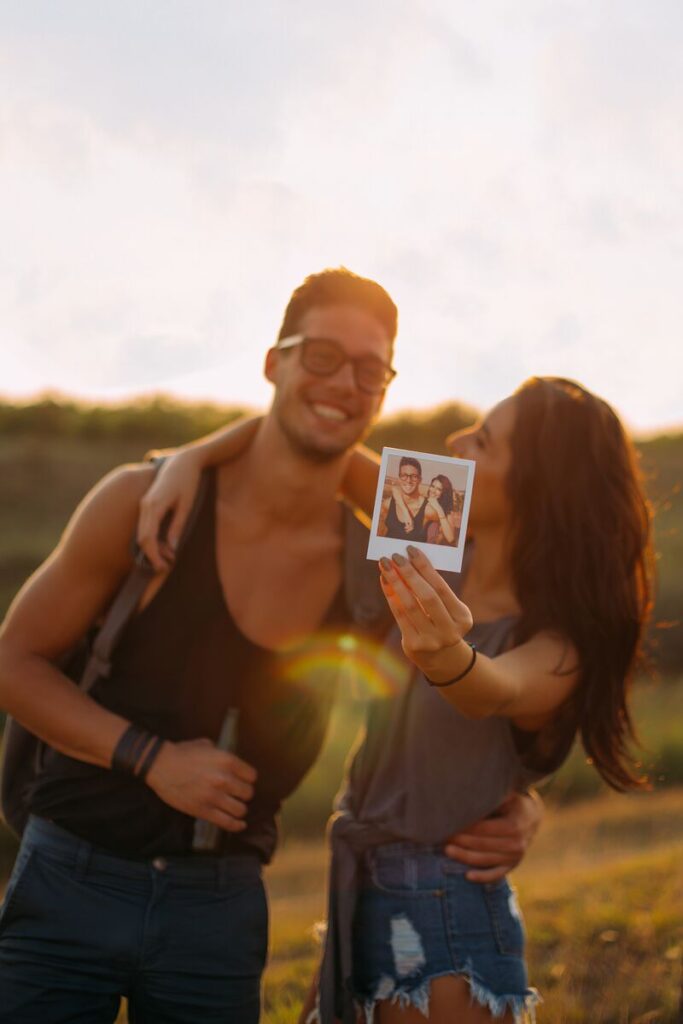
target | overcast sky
[{"x": 511, "y": 171}]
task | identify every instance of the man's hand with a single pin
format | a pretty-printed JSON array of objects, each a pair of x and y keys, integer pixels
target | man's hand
[
  {"x": 204, "y": 782},
  {"x": 494, "y": 846}
]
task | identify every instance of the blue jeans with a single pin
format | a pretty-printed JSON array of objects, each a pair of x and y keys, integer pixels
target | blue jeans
[{"x": 183, "y": 938}]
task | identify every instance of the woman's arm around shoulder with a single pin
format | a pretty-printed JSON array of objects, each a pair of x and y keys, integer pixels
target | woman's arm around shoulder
[
  {"x": 175, "y": 486},
  {"x": 360, "y": 480}
]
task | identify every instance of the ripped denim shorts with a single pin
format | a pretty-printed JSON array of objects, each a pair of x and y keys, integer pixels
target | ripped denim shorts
[{"x": 418, "y": 918}]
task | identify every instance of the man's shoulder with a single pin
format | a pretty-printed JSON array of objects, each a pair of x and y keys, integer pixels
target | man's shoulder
[
  {"x": 109, "y": 511},
  {"x": 131, "y": 478},
  {"x": 128, "y": 481}
]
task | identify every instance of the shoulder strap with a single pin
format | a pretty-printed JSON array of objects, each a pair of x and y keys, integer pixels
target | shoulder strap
[
  {"x": 127, "y": 599},
  {"x": 364, "y": 597}
]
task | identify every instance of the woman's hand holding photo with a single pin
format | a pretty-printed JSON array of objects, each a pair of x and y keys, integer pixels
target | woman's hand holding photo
[{"x": 433, "y": 621}]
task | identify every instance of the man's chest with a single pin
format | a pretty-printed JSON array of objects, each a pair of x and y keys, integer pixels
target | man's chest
[{"x": 276, "y": 591}]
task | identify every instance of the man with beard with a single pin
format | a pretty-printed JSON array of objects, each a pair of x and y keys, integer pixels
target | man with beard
[{"x": 108, "y": 897}]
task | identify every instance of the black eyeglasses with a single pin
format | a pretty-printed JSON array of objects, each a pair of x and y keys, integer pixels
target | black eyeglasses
[{"x": 325, "y": 356}]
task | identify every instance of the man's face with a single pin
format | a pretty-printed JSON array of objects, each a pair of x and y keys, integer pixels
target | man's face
[
  {"x": 324, "y": 416},
  {"x": 409, "y": 480}
]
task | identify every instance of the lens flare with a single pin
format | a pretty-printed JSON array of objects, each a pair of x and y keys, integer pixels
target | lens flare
[{"x": 364, "y": 668}]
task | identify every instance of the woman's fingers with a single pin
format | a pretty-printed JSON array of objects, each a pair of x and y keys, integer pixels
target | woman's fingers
[
  {"x": 156, "y": 552},
  {"x": 424, "y": 568},
  {"x": 167, "y": 503},
  {"x": 444, "y": 624},
  {"x": 176, "y": 525},
  {"x": 409, "y": 630}
]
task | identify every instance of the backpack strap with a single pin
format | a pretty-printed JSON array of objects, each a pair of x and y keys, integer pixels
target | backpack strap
[
  {"x": 126, "y": 602},
  {"x": 364, "y": 597}
]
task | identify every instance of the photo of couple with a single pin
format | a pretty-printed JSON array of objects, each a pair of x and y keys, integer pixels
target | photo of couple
[
  {"x": 427, "y": 512},
  {"x": 248, "y": 539}
]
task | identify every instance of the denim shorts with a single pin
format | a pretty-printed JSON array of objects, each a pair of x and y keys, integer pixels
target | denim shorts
[
  {"x": 419, "y": 918},
  {"x": 183, "y": 938}
]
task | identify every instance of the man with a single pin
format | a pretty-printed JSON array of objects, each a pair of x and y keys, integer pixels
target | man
[
  {"x": 107, "y": 897},
  {"x": 403, "y": 513}
]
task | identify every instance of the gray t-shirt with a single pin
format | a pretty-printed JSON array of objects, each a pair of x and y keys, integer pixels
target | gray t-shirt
[{"x": 422, "y": 772}]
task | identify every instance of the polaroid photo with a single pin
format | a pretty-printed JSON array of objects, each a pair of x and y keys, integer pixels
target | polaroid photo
[{"x": 423, "y": 500}]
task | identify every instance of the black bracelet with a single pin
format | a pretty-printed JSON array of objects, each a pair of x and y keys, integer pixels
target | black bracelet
[
  {"x": 456, "y": 679},
  {"x": 129, "y": 749},
  {"x": 149, "y": 758}
]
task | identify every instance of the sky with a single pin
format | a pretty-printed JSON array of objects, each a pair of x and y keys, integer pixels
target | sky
[{"x": 512, "y": 172}]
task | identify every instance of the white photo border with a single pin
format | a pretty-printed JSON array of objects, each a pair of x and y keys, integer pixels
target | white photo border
[{"x": 442, "y": 556}]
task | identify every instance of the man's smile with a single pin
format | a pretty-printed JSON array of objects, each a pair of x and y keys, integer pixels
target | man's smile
[{"x": 330, "y": 412}]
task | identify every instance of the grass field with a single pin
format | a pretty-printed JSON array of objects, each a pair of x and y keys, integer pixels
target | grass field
[{"x": 602, "y": 893}]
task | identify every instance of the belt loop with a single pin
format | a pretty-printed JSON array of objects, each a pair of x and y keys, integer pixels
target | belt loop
[{"x": 83, "y": 854}]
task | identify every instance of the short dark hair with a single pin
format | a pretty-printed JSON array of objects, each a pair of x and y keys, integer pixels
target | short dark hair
[
  {"x": 408, "y": 460},
  {"x": 339, "y": 286}
]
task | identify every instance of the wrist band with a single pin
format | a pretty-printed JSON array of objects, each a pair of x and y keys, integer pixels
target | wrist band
[
  {"x": 131, "y": 746},
  {"x": 456, "y": 679},
  {"x": 149, "y": 758}
]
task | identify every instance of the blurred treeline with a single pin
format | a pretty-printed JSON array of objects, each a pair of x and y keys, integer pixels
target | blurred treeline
[{"x": 53, "y": 450}]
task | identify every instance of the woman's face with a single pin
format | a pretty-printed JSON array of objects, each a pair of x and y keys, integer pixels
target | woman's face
[
  {"x": 488, "y": 444},
  {"x": 435, "y": 489}
]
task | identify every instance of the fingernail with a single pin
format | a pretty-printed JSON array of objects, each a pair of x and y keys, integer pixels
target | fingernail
[
  {"x": 413, "y": 552},
  {"x": 399, "y": 559},
  {"x": 385, "y": 564}
]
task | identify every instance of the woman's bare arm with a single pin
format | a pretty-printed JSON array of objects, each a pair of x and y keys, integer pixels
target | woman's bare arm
[
  {"x": 176, "y": 484},
  {"x": 360, "y": 480},
  {"x": 436, "y": 514},
  {"x": 403, "y": 513},
  {"x": 526, "y": 684}
]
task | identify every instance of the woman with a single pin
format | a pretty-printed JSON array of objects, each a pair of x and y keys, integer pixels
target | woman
[
  {"x": 441, "y": 517},
  {"x": 539, "y": 644}
]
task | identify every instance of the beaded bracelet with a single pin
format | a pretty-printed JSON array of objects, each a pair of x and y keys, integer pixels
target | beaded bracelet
[{"x": 456, "y": 679}]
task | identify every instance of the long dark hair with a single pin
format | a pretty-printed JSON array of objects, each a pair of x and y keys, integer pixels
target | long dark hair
[
  {"x": 446, "y": 499},
  {"x": 582, "y": 555}
]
